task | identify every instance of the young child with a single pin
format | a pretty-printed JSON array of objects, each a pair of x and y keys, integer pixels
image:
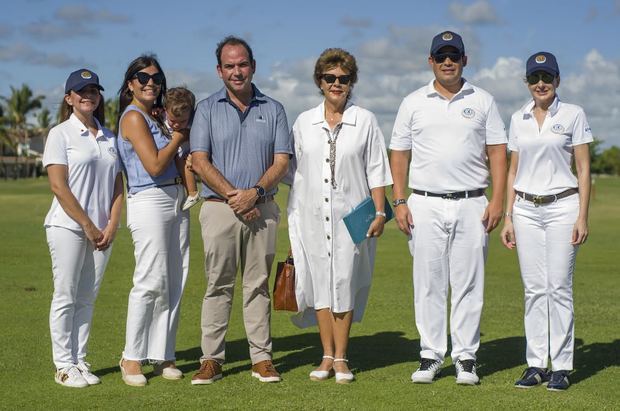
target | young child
[{"x": 179, "y": 106}]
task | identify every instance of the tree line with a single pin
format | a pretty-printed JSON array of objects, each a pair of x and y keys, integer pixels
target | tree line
[{"x": 22, "y": 116}]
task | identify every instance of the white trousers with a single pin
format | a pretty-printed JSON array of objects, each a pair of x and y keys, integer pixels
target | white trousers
[
  {"x": 160, "y": 233},
  {"x": 547, "y": 262},
  {"x": 77, "y": 270},
  {"x": 449, "y": 247}
]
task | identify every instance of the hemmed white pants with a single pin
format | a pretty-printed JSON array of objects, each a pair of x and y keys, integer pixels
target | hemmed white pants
[
  {"x": 77, "y": 270},
  {"x": 160, "y": 233},
  {"x": 547, "y": 262},
  {"x": 449, "y": 247}
]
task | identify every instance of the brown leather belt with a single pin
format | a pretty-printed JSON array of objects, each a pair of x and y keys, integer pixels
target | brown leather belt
[
  {"x": 540, "y": 200},
  {"x": 261, "y": 200}
]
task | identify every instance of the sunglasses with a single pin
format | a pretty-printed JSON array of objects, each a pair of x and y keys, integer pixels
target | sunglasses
[
  {"x": 144, "y": 78},
  {"x": 331, "y": 78},
  {"x": 534, "y": 78},
  {"x": 441, "y": 57}
]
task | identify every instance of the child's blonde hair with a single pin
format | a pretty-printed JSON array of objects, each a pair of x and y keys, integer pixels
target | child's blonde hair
[{"x": 179, "y": 101}]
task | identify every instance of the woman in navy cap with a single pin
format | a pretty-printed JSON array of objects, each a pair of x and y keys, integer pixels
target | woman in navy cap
[
  {"x": 84, "y": 174},
  {"x": 547, "y": 218}
]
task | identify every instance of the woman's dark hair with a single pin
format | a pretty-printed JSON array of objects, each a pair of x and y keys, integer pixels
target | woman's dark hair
[
  {"x": 65, "y": 111},
  {"x": 125, "y": 95}
]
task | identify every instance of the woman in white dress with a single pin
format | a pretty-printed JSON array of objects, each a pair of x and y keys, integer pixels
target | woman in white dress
[
  {"x": 341, "y": 161},
  {"x": 547, "y": 218}
]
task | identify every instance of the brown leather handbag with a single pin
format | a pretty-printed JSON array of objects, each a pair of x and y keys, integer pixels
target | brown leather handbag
[{"x": 284, "y": 298}]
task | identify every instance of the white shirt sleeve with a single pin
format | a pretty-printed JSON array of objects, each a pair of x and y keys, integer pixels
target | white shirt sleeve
[
  {"x": 513, "y": 140},
  {"x": 582, "y": 134},
  {"x": 495, "y": 129},
  {"x": 377, "y": 166},
  {"x": 401, "y": 133},
  {"x": 55, "y": 151}
]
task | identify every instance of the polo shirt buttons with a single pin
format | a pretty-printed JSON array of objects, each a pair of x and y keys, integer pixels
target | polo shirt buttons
[
  {"x": 328, "y": 237},
  {"x": 326, "y": 218},
  {"x": 327, "y": 200},
  {"x": 327, "y": 160},
  {"x": 326, "y": 180}
]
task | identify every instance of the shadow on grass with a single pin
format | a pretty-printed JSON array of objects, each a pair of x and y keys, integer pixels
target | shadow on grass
[{"x": 384, "y": 349}]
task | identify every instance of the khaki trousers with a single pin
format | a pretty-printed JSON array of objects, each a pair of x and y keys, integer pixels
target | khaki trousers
[{"x": 230, "y": 243}]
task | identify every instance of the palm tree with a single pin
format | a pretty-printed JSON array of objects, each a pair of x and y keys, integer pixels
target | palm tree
[
  {"x": 111, "y": 114},
  {"x": 18, "y": 106}
]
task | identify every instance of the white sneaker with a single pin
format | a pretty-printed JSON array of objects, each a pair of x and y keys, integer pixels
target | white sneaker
[
  {"x": 70, "y": 377},
  {"x": 466, "y": 372},
  {"x": 90, "y": 378},
  {"x": 427, "y": 372},
  {"x": 190, "y": 201}
]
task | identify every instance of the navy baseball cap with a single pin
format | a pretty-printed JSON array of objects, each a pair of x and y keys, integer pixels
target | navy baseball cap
[
  {"x": 542, "y": 61},
  {"x": 80, "y": 79},
  {"x": 447, "y": 38}
]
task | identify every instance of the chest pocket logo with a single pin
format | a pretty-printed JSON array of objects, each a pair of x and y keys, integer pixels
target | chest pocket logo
[
  {"x": 557, "y": 128},
  {"x": 112, "y": 151},
  {"x": 468, "y": 113}
]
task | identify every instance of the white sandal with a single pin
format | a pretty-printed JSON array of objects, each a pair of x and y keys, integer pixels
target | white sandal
[
  {"x": 321, "y": 375},
  {"x": 343, "y": 377}
]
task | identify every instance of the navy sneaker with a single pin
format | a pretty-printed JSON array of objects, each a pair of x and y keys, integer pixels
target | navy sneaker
[
  {"x": 559, "y": 381},
  {"x": 532, "y": 377}
]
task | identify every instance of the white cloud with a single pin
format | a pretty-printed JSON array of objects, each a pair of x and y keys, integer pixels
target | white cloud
[
  {"x": 80, "y": 14},
  {"x": 50, "y": 31},
  {"x": 26, "y": 54},
  {"x": 356, "y": 23},
  {"x": 479, "y": 12}
]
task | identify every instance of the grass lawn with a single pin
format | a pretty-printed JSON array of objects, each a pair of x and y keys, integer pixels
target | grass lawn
[{"x": 383, "y": 349}]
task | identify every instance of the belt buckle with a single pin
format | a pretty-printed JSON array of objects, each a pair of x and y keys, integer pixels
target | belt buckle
[
  {"x": 449, "y": 196},
  {"x": 537, "y": 200}
]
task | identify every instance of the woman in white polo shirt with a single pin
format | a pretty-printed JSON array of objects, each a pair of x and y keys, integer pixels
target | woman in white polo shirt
[
  {"x": 547, "y": 217},
  {"x": 84, "y": 174}
]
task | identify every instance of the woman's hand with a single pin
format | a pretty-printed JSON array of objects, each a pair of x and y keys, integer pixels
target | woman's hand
[
  {"x": 376, "y": 227},
  {"x": 508, "y": 234},
  {"x": 93, "y": 234},
  {"x": 109, "y": 233},
  {"x": 580, "y": 232}
]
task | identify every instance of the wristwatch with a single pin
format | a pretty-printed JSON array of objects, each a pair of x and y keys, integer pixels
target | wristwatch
[
  {"x": 398, "y": 202},
  {"x": 260, "y": 191}
]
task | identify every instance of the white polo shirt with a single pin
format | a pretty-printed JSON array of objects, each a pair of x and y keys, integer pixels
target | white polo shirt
[
  {"x": 448, "y": 138},
  {"x": 92, "y": 163},
  {"x": 545, "y": 154}
]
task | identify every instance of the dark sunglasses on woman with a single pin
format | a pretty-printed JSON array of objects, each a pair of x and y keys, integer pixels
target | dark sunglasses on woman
[
  {"x": 540, "y": 75},
  {"x": 143, "y": 78},
  {"x": 331, "y": 78}
]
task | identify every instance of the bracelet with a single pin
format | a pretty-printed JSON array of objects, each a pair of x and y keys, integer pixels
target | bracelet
[
  {"x": 380, "y": 213},
  {"x": 398, "y": 202},
  {"x": 508, "y": 215}
]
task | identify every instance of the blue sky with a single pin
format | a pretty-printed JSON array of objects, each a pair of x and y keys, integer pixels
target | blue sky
[{"x": 42, "y": 41}]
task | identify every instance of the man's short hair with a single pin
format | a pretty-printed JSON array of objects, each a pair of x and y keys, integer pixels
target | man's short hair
[
  {"x": 179, "y": 101},
  {"x": 332, "y": 58},
  {"x": 232, "y": 41}
]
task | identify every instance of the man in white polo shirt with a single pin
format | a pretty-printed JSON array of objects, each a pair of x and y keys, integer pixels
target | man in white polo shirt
[{"x": 448, "y": 135}]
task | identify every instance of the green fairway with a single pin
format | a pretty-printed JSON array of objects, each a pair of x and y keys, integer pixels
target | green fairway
[{"x": 383, "y": 349}]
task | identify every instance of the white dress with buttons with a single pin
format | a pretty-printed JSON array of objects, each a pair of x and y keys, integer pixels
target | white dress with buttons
[{"x": 332, "y": 272}]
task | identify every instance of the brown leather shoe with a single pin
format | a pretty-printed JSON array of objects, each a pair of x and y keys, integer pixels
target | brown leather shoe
[
  {"x": 265, "y": 372},
  {"x": 209, "y": 372}
]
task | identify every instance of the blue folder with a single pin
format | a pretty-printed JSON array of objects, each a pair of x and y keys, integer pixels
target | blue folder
[{"x": 359, "y": 219}]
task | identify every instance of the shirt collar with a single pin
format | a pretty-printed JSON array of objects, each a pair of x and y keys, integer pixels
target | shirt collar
[
  {"x": 82, "y": 127},
  {"x": 431, "y": 91},
  {"x": 553, "y": 108},
  {"x": 257, "y": 95},
  {"x": 349, "y": 116}
]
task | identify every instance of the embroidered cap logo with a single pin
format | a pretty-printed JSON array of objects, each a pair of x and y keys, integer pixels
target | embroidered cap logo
[
  {"x": 540, "y": 59},
  {"x": 447, "y": 36},
  {"x": 86, "y": 75}
]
